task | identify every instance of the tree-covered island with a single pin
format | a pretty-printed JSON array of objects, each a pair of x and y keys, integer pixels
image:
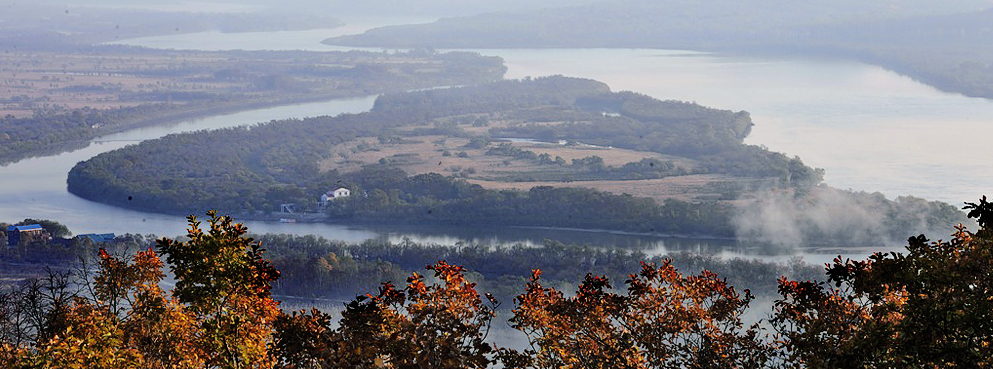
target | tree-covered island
[{"x": 553, "y": 151}]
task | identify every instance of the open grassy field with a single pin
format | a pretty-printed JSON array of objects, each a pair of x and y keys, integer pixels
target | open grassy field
[
  {"x": 456, "y": 156},
  {"x": 44, "y": 80}
]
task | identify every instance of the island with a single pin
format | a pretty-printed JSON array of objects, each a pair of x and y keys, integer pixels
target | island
[{"x": 546, "y": 152}]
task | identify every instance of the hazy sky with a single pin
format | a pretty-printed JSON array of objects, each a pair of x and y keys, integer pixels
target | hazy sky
[{"x": 440, "y": 8}]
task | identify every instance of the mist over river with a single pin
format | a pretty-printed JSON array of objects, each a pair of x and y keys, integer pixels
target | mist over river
[{"x": 870, "y": 129}]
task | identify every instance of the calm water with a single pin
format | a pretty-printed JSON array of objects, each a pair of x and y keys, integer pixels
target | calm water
[
  {"x": 871, "y": 129},
  {"x": 36, "y": 188}
]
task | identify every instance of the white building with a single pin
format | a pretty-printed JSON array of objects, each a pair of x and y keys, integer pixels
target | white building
[{"x": 336, "y": 194}]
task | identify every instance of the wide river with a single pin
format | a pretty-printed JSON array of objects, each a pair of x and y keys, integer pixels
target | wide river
[{"x": 870, "y": 129}]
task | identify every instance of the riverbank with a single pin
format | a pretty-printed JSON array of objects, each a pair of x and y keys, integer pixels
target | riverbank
[
  {"x": 59, "y": 107},
  {"x": 167, "y": 118},
  {"x": 207, "y": 111},
  {"x": 960, "y": 72}
]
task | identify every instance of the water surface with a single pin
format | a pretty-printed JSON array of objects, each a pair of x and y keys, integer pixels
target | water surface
[{"x": 36, "y": 188}]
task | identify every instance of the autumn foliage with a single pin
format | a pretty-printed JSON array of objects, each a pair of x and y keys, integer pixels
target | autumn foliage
[
  {"x": 219, "y": 315},
  {"x": 930, "y": 307},
  {"x": 422, "y": 325},
  {"x": 666, "y": 320}
]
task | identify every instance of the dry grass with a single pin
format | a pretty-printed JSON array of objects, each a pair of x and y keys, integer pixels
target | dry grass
[
  {"x": 687, "y": 188},
  {"x": 425, "y": 154},
  {"x": 47, "y": 80},
  {"x": 54, "y": 81}
]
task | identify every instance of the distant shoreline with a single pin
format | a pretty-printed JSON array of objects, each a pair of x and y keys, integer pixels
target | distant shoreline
[
  {"x": 174, "y": 117},
  {"x": 225, "y": 109}
]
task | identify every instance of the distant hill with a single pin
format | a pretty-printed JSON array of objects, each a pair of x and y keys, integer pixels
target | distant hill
[
  {"x": 665, "y": 24},
  {"x": 948, "y": 45}
]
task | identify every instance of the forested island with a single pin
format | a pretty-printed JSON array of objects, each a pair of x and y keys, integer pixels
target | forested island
[{"x": 436, "y": 157}]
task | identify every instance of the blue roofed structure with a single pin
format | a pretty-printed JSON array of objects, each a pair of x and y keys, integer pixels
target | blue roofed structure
[
  {"x": 27, "y": 227},
  {"x": 27, "y": 232}
]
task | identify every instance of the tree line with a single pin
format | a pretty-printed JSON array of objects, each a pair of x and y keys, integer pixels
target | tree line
[
  {"x": 926, "y": 307},
  {"x": 259, "y": 78},
  {"x": 389, "y": 195}
]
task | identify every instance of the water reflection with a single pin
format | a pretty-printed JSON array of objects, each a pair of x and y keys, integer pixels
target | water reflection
[
  {"x": 537, "y": 236},
  {"x": 506, "y": 237}
]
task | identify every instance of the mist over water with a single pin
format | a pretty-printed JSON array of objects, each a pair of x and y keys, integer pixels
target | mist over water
[
  {"x": 879, "y": 136},
  {"x": 784, "y": 221}
]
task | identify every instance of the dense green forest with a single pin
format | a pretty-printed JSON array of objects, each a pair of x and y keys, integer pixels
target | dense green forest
[
  {"x": 314, "y": 267},
  {"x": 389, "y": 195},
  {"x": 53, "y": 133},
  {"x": 252, "y": 170}
]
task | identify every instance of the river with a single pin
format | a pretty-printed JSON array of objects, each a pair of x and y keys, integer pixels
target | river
[
  {"x": 871, "y": 129},
  {"x": 36, "y": 188}
]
